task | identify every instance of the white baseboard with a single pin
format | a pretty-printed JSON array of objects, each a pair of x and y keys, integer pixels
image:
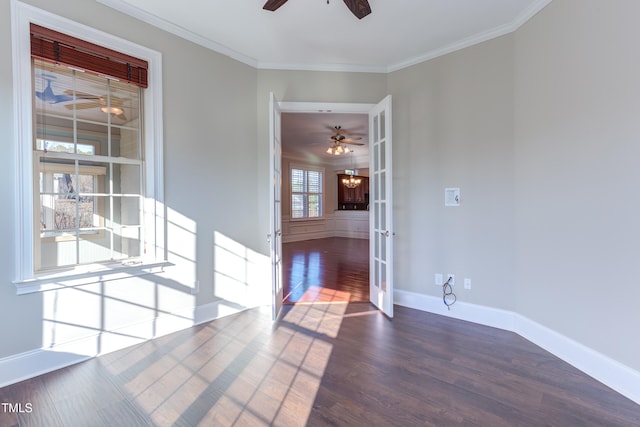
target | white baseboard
[
  {"x": 610, "y": 372},
  {"x": 352, "y": 234},
  {"x": 299, "y": 237},
  {"x": 30, "y": 364},
  {"x": 488, "y": 316}
]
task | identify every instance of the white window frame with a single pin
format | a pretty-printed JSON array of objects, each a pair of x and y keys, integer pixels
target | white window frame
[
  {"x": 57, "y": 168},
  {"x": 322, "y": 192},
  {"x": 154, "y": 259}
]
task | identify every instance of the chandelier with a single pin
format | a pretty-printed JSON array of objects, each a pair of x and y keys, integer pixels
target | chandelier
[{"x": 351, "y": 182}]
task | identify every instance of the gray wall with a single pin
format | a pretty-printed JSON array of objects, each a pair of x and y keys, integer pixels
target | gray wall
[
  {"x": 538, "y": 129},
  {"x": 209, "y": 141},
  {"x": 577, "y": 133},
  {"x": 453, "y": 127}
]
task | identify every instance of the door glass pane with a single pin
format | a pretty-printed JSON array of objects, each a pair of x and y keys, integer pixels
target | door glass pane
[
  {"x": 383, "y": 187},
  {"x": 383, "y": 216},
  {"x": 383, "y": 277},
  {"x": 375, "y": 128},
  {"x": 377, "y": 245},
  {"x": 383, "y": 248},
  {"x": 377, "y": 216},
  {"x": 382, "y": 129},
  {"x": 383, "y": 159},
  {"x": 376, "y": 157},
  {"x": 376, "y": 281}
]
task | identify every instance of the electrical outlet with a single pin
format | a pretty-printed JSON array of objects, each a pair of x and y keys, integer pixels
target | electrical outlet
[
  {"x": 451, "y": 278},
  {"x": 438, "y": 279},
  {"x": 467, "y": 283}
]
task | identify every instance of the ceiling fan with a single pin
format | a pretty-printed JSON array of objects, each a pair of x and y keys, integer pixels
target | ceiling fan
[
  {"x": 339, "y": 139},
  {"x": 360, "y": 8},
  {"x": 49, "y": 97},
  {"x": 115, "y": 107}
]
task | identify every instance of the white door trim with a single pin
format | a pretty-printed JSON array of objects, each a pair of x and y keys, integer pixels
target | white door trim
[{"x": 325, "y": 107}]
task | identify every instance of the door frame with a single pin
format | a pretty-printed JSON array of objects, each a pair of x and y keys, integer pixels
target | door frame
[{"x": 328, "y": 107}]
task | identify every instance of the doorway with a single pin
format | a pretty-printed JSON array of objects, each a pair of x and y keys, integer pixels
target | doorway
[
  {"x": 324, "y": 258},
  {"x": 381, "y": 214}
]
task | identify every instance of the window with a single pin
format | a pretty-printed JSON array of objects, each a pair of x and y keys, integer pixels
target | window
[
  {"x": 90, "y": 195},
  {"x": 89, "y": 154},
  {"x": 306, "y": 193}
]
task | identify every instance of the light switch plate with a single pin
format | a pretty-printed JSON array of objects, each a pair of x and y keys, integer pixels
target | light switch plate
[{"x": 452, "y": 197}]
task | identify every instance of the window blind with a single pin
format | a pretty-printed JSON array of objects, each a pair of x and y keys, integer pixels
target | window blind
[
  {"x": 306, "y": 193},
  {"x": 59, "y": 48}
]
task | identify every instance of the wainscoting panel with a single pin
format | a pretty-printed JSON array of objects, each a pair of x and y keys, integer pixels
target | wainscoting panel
[{"x": 352, "y": 224}]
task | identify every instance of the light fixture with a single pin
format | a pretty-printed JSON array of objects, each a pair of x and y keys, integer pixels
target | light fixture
[
  {"x": 352, "y": 181},
  {"x": 112, "y": 110},
  {"x": 336, "y": 149}
]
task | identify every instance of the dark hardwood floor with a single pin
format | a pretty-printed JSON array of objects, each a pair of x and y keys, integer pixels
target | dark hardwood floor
[
  {"x": 328, "y": 270},
  {"x": 336, "y": 363}
]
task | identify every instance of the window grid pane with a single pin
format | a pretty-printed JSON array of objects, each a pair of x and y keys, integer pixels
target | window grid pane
[
  {"x": 90, "y": 211},
  {"x": 306, "y": 193}
]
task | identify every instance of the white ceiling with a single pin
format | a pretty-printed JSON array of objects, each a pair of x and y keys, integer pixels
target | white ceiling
[
  {"x": 306, "y": 137},
  {"x": 311, "y": 34},
  {"x": 314, "y": 35}
]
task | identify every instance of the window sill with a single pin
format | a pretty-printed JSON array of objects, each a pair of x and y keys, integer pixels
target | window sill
[
  {"x": 88, "y": 274},
  {"x": 321, "y": 218}
]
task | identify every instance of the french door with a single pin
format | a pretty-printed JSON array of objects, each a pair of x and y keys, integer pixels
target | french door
[
  {"x": 275, "y": 225},
  {"x": 381, "y": 208}
]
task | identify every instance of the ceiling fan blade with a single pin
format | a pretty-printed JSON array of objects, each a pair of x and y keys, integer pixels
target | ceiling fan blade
[
  {"x": 351, "y": 138},
  {"x": 351, "y": 143},
  {"x": 360, "y": 8},
  {"x": 81, "y": 95},
  {"x": 83, "y": 105},
  {"x": 273, "y": 5}
]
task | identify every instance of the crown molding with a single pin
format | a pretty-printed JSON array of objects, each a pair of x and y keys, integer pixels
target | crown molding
[
  {"x": 502, "y": 30},
  {"x": 348, "y": 68},
  {"x": 179, "y": 31}
]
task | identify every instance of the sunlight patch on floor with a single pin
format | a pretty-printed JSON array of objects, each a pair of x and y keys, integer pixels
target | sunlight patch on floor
[{"x": 236, "y": 371}]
